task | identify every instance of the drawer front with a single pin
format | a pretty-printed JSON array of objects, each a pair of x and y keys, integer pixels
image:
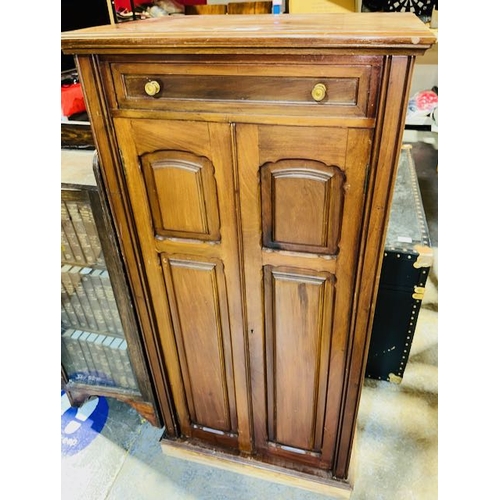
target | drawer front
[{"x": 296, "y": 89}]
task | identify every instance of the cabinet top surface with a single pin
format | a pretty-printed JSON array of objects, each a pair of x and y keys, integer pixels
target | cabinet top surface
[
  {"x": 76, "y": 167},
  {"x": 403, "y": 31}
]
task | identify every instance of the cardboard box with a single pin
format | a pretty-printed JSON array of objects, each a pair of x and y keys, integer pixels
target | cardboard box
[{"x": 323, "y": 6}]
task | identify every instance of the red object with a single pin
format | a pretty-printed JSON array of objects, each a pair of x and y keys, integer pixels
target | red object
[
  {"x": 72, "y": 101},
  {"x": 426, "y": 100},
  {"x": 125, "y": 4}
]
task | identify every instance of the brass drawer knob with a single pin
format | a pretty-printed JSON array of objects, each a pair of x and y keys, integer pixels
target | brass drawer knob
[
  {"x": 319, "y": 92},
  {"x": 152, "y": 88}
]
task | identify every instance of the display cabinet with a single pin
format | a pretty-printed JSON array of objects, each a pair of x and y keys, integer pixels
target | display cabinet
[
  {"x": 249, "y": 162},
  {"x": 101, "y": 350}
]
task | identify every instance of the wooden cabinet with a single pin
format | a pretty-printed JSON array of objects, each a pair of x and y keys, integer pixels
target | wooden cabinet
[{"x": 249, "y": 165}]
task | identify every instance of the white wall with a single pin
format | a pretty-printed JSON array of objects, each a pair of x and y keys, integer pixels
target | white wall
[{"x": 425, "y": 74}]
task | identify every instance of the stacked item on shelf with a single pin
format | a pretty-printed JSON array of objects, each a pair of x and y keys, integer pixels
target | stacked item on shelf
[{"x": 94, "y": 349}]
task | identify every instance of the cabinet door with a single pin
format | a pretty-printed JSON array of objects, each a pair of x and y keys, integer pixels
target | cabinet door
[
  {"x": 301, "y": 192},
  {"x": 180, "y": 186}
]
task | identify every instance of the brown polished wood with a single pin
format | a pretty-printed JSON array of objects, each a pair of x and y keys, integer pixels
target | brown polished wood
[
  {"x": 249, "y": 7},
  {"x": 252, "y": 192},
  {"x": 385, "y": 33},
  {"x": 77, "y": 135},
  {"x": 194, "y": 10}
]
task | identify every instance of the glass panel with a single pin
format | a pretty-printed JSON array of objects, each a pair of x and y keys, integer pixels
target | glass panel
[{"x": 93, "y": 347}]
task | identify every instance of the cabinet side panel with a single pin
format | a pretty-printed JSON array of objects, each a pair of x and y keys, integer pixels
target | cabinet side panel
[
  {"x": 385, "y": 155},
  {"x": 112, "y": 182}
]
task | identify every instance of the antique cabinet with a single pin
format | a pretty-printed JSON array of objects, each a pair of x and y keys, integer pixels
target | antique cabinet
[
  {"x": 249, "y": 163},
  {"x": 101, "y": 348}
]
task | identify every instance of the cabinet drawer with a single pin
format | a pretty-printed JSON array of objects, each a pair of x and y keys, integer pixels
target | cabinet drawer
[{"x": 320, "y": 89}]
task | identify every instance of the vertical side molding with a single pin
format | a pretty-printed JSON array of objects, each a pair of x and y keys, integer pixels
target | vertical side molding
[
  {"x": 114, "y": 182},
  {"x": 393, "y": 101}
]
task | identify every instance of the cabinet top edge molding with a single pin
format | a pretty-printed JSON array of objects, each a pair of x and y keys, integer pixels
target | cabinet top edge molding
[{"x": 395, "y": 31}]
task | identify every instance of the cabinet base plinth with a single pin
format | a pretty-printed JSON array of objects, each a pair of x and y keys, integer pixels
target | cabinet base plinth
[
  {"x": 246, "y": 465},
  {"x": 78, "y": 394}
]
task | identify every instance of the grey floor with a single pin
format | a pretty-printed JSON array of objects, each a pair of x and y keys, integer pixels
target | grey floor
[{"x": 123, "y": 459}]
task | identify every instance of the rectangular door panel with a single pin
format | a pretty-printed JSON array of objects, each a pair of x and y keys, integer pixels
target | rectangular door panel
[
  {"x": 198, "y": 304},
  {"x": 298, "y": 312}
]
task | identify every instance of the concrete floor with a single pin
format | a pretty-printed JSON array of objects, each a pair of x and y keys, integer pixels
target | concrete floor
[
  {"x": 124, "y": 461},
  {"x": 110, "y": 452}
]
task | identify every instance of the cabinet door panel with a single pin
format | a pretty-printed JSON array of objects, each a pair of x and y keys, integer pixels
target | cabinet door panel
[
  {"x": 182, "y": 194},
  {"x": 197, "y": 298},
  {"x": 298, "y": 314},
  {"x": 300, "y": 266},
  {"x": 301, "y": 205},
  {"x": 182, "y": 197}
]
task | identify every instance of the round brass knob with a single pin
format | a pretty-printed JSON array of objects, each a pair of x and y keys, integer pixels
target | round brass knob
[
  {"x": 152, "y": 88},
  {"x": 318, "y": 92}
]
